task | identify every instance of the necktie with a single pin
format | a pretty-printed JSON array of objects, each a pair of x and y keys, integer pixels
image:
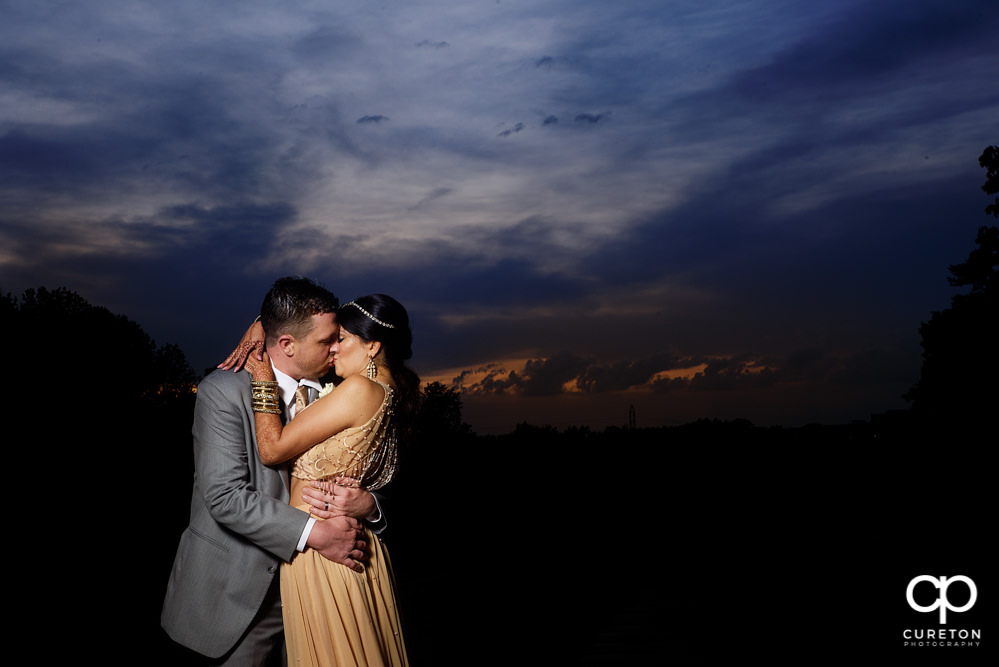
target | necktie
[{"x": 301, "y": 398}]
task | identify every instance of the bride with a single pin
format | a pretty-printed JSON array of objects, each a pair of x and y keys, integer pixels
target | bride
[{"x": 332, "y": 614}]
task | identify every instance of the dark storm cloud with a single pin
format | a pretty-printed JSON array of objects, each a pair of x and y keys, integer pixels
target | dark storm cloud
[
  {"x": 239, "y": 229},
  {"x": 322, "y": 45},
  {"x": 242, "y": 231},
  {"x": 567, "y": 373},
  {"x": 186, "y": 134},
  {"x": 513, "y": 130},
  {"x": 869, "y": 44},
  {"x": 729, "y": 375},
  {"x": 377, "y": 118},
  {"x": 866, "y": 52},
  {"x": 152, "y": 109},
  {"x": 870, "y": 53},
  {"x": 128, "y": 115},
  {"x": 157, "y": 255},
  {"x": 855, "y": 234},
  {"x": 469, "y": 284},
  {"x": 179, "y": 272},
  {"x": 438, "y": 193},
  {"x": 541, "y": 377},
  {"x": 621, "y": 375}
]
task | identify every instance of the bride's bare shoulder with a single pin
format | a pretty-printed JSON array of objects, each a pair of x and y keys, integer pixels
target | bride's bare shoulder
[{"x": 359, "y": 388}]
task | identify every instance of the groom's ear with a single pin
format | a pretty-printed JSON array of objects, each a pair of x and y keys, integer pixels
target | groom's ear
[{"x": 286, "y": 344}]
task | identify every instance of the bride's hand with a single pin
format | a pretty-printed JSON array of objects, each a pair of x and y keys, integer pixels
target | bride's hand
[
  {"x": 252, "y": 341},
  {"x": 259, "y": 367},
  {"x": 342, "y": 498},
  {"x": 322, "y": 501}
]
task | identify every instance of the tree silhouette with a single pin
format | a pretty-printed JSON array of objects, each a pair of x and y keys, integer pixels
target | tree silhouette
[
  {"x": 957, "y": 387},
  {"x": 989, "y": 160},
  {"x": 440, "y": 412},
  {"x": 104, "y": 416},
  {"x": 59, "y": 338}
]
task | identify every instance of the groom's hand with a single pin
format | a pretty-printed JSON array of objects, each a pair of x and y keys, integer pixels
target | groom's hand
[{"x": 340, "y": 540}]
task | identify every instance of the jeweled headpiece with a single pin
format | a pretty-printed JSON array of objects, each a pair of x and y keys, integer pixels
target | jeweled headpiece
[{"x": 370, "y": 316}]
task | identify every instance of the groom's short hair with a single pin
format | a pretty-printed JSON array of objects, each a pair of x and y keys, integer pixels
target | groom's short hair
[{"x": 290, "y": 304}]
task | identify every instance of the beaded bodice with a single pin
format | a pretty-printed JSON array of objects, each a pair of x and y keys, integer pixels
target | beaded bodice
[{"x": 367, "y": 452}]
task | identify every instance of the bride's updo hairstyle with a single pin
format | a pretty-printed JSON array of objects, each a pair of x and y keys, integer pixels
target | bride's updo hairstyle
[{"x": 379, "y": 317}]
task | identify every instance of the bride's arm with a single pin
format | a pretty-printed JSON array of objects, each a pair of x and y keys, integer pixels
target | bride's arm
[{"x": 340, "y": 409}]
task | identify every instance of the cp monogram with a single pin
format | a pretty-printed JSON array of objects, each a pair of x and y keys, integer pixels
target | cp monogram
[{"x": 942, "y": 603}]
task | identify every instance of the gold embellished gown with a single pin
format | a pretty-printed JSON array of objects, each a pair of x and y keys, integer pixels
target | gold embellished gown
[{"x": 334, "y": 616}]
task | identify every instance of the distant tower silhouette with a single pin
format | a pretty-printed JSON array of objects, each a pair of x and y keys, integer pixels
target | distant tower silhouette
[{"x": 631, "y": 416}]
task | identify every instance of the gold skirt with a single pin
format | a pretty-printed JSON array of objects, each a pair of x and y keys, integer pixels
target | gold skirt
[{"x": 334, "y": 616}]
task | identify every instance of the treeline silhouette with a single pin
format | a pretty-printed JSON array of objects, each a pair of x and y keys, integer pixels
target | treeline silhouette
[
  {"x": 958, "y": 385},
  {"x": 671, "y": 545},
  {"x": 103, "y": 463}
]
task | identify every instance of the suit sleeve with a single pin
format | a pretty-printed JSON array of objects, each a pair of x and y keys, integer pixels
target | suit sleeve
[{"x": 238, "y": 491}]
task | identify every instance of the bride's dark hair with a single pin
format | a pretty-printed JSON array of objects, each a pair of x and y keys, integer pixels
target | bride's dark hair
[{"x": 379, "y": 317}]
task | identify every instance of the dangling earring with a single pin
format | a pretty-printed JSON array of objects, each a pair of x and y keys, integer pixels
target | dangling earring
[{"x": 372, "y": 369}]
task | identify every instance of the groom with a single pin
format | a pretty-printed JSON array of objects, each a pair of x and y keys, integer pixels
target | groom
[{"x": 222, "y": 597}]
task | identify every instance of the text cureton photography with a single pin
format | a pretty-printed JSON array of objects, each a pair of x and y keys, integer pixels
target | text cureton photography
[{"x": 942, "y": 637}]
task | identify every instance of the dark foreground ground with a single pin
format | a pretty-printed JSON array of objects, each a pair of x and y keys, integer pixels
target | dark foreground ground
[{"x": 663, "y": 547}]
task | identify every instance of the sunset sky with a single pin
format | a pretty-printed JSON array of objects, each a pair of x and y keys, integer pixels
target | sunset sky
[{"x": 699, "y": 208}]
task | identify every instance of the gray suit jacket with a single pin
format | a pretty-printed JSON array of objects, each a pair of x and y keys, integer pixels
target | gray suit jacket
[{"x": 241, "y": 527}]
